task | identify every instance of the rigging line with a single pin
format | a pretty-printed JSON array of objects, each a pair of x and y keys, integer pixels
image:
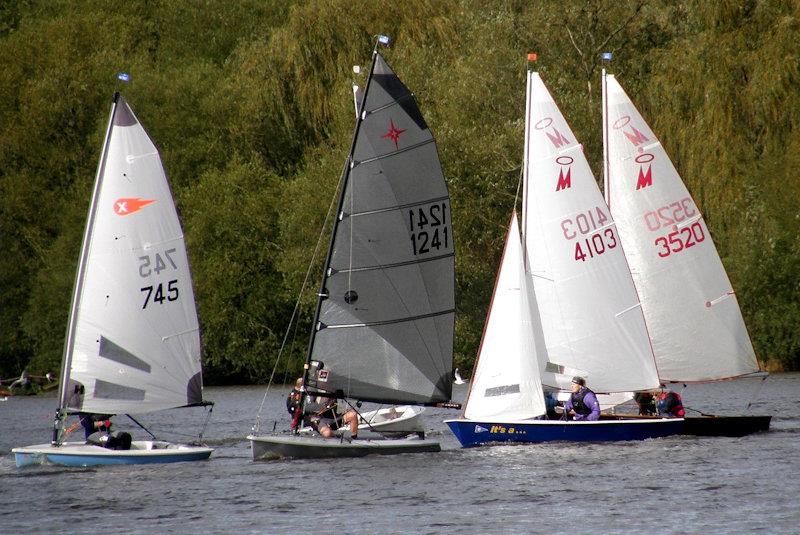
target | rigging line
[
  {"x": 297, "y": 303},
  {"x": 134, "y": 420}
]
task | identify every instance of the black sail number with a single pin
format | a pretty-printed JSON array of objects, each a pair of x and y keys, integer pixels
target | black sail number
[
  {"x": 430, "y": 228},
  {"x": 158, "y": 293}
]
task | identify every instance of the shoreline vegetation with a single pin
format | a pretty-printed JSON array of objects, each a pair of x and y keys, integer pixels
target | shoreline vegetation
[{"x": 249, "y": 103}]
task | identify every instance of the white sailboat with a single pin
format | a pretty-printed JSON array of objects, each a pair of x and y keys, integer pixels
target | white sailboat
[
  {"x": 690, "y": 307},
  {"x": 564, "y": 303},
  {"x": 383, "y": 327},
  {"x": 132, "y": 344}
]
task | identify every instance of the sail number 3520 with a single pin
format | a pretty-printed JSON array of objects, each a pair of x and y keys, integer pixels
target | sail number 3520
[
  {"x": 430, "y": 228},
  {"x": 155, "y": 264}
]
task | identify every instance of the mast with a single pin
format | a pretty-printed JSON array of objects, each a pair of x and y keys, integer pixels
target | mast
[
  {"x": 69, "y": 341},
  {"x": 606, "y": 60},
  {"x": 532, "y": 57},
  {"x": 321, "y": 295}
]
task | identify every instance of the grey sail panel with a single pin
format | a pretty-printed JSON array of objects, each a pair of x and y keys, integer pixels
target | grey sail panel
[
  {"x": 385, "y": 327},
  {"x": 377, "y": 363}
]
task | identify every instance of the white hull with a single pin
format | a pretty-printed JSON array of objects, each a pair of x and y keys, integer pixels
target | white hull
[
  {"x": 81, "y": 454},
  {"x": 270, "y": 447},
  {"x": 403, "y": 419}
]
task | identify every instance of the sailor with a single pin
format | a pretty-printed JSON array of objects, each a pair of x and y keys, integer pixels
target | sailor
[
  {"x": 294, "y": 402},
  {"x": 646, "y": 403},
  {"x": 670, "y": 405},
  {"x": 325, "y": 419},
  {"x": 94, "y": 423},
  {"x": 97, "y": 428},
  {"x": 583, "y": 402}
]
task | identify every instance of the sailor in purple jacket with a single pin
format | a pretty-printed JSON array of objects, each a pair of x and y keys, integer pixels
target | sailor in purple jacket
[{"x": 583, "y": 402}]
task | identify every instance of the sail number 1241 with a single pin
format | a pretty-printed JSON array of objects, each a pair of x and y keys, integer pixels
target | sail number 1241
[{"x": 430, "y": 228}]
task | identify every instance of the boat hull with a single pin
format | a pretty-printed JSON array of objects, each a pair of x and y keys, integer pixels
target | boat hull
[
  {"x": 725, "y": 426},
  {"x": 80, "y": 454},
  {"x": 270, "y": 447},
  {"x": 404, "y": 419},
  {"x": 476, "y": 433}
]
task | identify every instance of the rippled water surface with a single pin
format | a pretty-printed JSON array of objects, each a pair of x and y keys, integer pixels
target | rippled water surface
[{"x": 672, "y": 485}]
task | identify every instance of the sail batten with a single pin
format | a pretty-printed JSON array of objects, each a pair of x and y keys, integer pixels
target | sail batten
[
  {"x": 398, "y": 264},
  {"x": 389, "y": 322},
  {"x": 387, "y": 306}
]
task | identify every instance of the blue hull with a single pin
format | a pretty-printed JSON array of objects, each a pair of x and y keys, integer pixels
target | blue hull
[{"x": 474, "y": 433}]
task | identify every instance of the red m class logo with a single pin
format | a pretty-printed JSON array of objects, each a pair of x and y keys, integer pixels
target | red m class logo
[
  {"x": 564, "y": 178},
  {"x": 633, "y": 135},
  {"x": 645, "y": 175},
  {"x": 556, "y": 138}
]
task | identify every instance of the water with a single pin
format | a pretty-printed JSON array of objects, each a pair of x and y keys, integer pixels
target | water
[{"x": 673, "y": 485}]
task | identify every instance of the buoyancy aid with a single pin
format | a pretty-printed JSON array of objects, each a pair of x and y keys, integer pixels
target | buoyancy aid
[
  {"x": 670, "y": 404},
  {"x": 577, "y": 402}
]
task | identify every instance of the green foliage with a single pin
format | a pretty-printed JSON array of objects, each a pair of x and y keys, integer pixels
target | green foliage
[
  {"x": 230, "y": 221},
  {"x": 250, "y": 105}
]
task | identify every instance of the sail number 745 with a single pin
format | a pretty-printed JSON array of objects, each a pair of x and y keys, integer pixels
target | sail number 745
[
  {"x": 154, "y": 264},
  {"x": 430, "y": 228}
]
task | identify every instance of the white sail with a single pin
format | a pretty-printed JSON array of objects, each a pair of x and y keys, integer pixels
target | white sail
[
  {"x": 692, "y": 314},
  {"x": 506, "y": 382},
  {"x": 593, "y": 324},
  {"x": 133, "y": 343}
]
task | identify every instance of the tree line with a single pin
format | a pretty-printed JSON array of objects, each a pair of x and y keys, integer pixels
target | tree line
[{"x": 250, "y": 105}]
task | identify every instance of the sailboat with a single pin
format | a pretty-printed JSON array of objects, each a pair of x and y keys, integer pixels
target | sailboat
[
  {"x": 383, "y": 325},
  {"x": 132, "y": 344},
  {"x": 564, "y": 304},
  {"x": 690, "y": 307}
]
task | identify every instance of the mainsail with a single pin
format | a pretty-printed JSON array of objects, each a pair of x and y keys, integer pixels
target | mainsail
[
  {"x": 385, "y": 316},
  {"x": 133, "y": 343},
  {"x": 593, "y": 324},
  {"x": 506, "y": 382},
  {"x": 690, "y": 307}
]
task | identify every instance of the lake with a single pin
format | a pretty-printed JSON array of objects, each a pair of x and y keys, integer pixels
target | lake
[{"x": 672, "y": 485}]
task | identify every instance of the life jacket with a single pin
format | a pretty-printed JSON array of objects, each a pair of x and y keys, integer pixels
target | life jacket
[
  {"x": 293, "y": 400},
  {"x": 670, "y": 404},
  {"x": 577, "y": 402}
]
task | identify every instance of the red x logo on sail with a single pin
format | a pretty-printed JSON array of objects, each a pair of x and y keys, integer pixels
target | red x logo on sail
[
  {"x": 127, "y": 206},
  {"x": 393, "y": 133}
]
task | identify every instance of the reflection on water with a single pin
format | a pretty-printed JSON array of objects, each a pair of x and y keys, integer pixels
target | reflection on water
[{"x": 672, "y": 485}]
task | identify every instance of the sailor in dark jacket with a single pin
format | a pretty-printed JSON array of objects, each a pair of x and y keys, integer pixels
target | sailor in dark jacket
[{"x": 583, "y": 402}]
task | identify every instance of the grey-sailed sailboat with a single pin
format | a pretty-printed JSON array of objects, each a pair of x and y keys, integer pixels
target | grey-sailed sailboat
[{"x": 383, "y": 326}]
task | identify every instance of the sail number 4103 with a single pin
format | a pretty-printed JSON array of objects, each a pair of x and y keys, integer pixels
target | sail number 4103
[{"x": 430, "y": 228}]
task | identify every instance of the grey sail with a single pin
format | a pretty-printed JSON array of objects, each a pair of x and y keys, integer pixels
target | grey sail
[{"x": 384, "y": 330}]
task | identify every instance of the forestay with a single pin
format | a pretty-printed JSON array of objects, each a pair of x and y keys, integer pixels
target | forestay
[
  {"x": 593, "y": 324},
  {"x": 691, "y": 310},
  {"x": 506, "y": 382},
  {"x": 133, "y": 342},
  {"x": 385, "y": 321}
]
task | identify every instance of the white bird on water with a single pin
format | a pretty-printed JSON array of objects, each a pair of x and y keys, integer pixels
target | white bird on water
[{"x": 459, "y": 380}]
